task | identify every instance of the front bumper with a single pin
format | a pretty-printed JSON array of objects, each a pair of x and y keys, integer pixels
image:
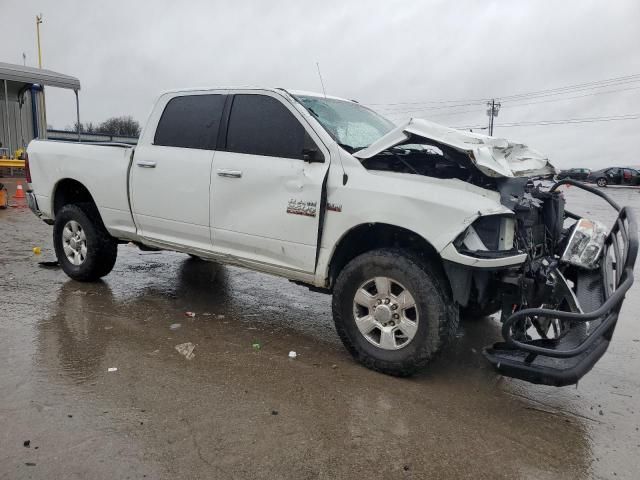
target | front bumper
[{"x": 564, "y": 361}]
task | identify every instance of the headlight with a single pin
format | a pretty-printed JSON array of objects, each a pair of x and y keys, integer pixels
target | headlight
[
  {"x": 585, "y": 244},
  {"x": 493, "y": 232}
]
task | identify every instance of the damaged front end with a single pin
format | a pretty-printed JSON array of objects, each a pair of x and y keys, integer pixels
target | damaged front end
[
  {"x": 560, "y": 306},
  {"x": 558, "y": 279},
  {"x": 560, "y": 309}
]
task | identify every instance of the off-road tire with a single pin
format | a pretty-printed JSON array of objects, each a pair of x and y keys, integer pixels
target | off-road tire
[
  {"x": 601, "y": 182},
  {"x": 438, "y": 314},
  {"x": 102, "y": 248}
]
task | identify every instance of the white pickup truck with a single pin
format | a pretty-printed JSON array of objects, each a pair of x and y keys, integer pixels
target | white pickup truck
[{"x": 407, "y": 226}]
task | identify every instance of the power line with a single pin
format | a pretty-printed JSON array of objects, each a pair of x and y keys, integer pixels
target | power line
[
  {"x": 574, "y": 88},
  {"x": 610, "y": 118},
  {"x": 576, "y": 96},
  {"x": 511, "y": 105},
  {"x": 540, "y": 93}
]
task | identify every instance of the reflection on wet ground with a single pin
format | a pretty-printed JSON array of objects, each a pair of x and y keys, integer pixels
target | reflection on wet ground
[{"x": 235, "y": 411}]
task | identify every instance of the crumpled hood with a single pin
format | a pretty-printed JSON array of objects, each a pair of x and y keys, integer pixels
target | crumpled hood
[{"x": 494, "y": 157}]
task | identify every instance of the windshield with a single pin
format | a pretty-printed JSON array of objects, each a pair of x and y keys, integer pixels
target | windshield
[{"x": 350, "y": 124}]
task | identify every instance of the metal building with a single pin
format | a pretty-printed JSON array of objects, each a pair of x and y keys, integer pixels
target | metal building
[{"x": 22, "y": 105}]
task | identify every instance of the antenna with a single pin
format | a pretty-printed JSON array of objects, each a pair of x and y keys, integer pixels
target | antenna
[{"x": 321, "y": 82}]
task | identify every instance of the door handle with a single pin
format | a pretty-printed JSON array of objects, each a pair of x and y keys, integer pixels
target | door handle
[
  {"x": 146, "y": 164},
  {"x": 229, "y": 173}
]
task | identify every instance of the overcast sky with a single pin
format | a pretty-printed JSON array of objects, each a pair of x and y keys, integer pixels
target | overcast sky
[{"x": 126, "y": 53}]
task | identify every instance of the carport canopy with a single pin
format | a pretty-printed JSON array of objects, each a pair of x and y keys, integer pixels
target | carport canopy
[
  {"x": 19, "y": 74},
  {"x": 31, "y": 75}
]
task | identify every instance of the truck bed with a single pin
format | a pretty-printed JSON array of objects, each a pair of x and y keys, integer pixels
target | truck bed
[{"x": 101, "y": 168}]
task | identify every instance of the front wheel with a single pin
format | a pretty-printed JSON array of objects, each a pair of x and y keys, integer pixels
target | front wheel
[
  {"x": 85, "y": 250},
  {"x": 393, "y": 311},
  {"x": 601, "y": 182}
]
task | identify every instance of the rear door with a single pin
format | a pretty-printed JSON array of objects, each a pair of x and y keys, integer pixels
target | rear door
[
  {"x": 171, "y": 171},
  {"x": 265, "y": 196},
  {"x": 614, "y": 176}
]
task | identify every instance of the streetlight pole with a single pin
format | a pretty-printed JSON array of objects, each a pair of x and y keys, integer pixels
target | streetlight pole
[
  {"x": 41, "y": 100},
  {"x": 38, "y": 22}
]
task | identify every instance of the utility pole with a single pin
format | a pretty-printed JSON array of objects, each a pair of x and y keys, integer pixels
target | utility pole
[
  {"x": 493, "y": 108},
  {"x": 38, "y": 22}
]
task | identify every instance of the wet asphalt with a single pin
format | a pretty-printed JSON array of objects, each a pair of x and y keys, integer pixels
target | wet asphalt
[{"x": 241, "y": 408}]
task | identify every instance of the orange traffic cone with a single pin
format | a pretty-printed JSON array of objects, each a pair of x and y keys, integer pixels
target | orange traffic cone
[{"x": 19, "y": 192}]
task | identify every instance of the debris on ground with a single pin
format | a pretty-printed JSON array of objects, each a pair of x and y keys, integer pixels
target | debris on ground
[
  {"x": 292, "y": 354},
  {"x": 49, "y": 264},
  {"x": 112, "y": 369},
  {"x": 256, "y": 345},
  {"x": 206, "y": 314},
  {"x": 27, "y": 443},
  {"x": 274, "y": 412},
  {"x": 37, "y": 250},
  {"x": 174, "y": 326},
  {"x": 189, "y": 314},
  {"x": 186, "y": 349},
  {"x": 108, "y": 327}
]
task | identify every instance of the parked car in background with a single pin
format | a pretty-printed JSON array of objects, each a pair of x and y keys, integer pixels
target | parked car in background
[
  {"x": 615, "y": 176},
  {"x": 574, "y": 173}
]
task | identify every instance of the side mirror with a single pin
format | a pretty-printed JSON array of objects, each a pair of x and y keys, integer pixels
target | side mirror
[{"x": 312, "y": 155}]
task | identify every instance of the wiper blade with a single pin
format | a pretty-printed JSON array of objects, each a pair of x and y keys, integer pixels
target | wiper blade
[{"x": 348, "y": 148}]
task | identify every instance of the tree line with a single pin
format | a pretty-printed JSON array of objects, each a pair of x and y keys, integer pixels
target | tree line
[{"x": 123, "y": 126}]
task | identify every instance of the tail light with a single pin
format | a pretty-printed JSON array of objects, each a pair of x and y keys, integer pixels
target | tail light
[{"x": 27, "y": 170}]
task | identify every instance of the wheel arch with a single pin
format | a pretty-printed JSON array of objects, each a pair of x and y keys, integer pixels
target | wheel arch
[
  {"x": 371, "y": 236},
  {"x": 69, "y": 191}
]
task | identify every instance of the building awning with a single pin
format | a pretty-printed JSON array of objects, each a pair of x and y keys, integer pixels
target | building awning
[{"x": 22, "y": 74}]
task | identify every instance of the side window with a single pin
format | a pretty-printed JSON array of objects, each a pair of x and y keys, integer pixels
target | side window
[
  {"x": 190, "y": 121},
  {"x": 261, "y": 125}
]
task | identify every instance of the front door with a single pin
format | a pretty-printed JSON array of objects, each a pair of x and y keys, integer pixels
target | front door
[
  {"x": 171, "y": 172},
  {"x": 265, "y": 195}
]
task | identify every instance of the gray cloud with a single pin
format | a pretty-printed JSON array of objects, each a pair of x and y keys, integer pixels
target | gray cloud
[{"x": 126, "y": 53}]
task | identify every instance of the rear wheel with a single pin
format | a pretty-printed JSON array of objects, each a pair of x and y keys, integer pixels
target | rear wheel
[
  {"x": 85, "y": 250},
  {"x": 393, "y": 311},
  {"x": 601, "y": 182}
]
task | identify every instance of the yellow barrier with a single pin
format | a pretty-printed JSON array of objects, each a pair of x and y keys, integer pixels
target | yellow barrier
[{"x": 5, "y": 162}]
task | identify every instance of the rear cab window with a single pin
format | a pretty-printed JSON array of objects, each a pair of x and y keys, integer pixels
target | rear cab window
[{"x": 191, "y": 121}]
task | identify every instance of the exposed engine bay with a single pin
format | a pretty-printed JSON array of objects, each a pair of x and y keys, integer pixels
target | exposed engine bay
[{"x": 431, "y": 160}]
